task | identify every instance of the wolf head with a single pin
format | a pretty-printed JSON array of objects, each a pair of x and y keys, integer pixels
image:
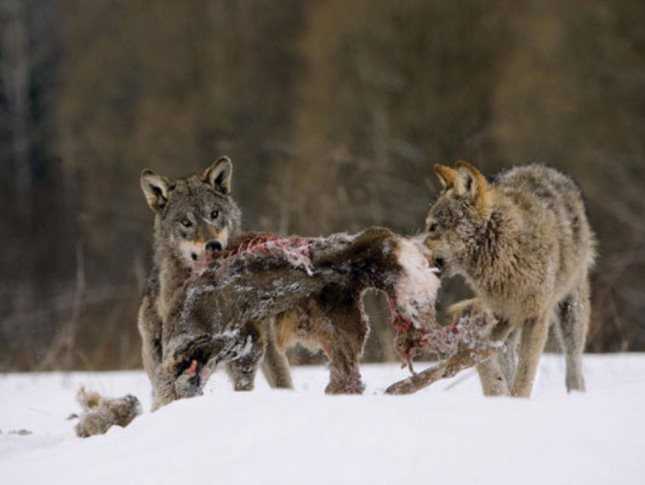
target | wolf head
[
  {"x": 195, "y": 217},
  {"x": 458, "y": 215}
]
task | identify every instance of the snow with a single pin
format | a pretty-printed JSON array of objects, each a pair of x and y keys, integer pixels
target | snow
[{"x": 447, "y": 434}]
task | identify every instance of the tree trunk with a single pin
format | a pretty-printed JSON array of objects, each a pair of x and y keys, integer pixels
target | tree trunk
[{"x": 15, "y": 76}]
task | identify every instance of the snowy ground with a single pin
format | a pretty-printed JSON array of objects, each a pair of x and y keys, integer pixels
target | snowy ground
[{"x": 447, "y": 434}]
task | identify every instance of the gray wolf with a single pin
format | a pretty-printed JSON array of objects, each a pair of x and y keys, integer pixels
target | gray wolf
[
  {"x": 524, "y": 245},
  {"x": 194, "y": 218}
]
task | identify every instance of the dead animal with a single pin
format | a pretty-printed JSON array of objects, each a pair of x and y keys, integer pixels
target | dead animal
[
  {"x": 101, "y": 413},
  {"x": 467, "y": 341},
  {"x": 263, "y": 275}
]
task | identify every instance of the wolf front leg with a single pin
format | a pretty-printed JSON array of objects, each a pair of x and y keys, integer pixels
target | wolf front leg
[
  {"x": 492, "y": 378},
  {"x": 165, "y": 388},
  {"x": 534, "y": 334},
  {"x": 496, "y": 375},
  {"x": 149, "y": 325}
]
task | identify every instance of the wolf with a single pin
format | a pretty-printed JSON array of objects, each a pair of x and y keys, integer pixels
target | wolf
[
  {"x": 195, "y": 218},
  {"x": 523, "y": 243}
]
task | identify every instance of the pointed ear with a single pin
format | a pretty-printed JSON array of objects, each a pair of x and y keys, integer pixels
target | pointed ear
[
  {"x": 155, "y": 189},
  {"x": 446, "y": 175},
  {"x": 219, "y": 175},
  {"x": 475, "y": 185}
]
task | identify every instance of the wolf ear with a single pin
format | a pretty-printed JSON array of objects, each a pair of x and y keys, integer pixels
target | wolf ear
[
  {"x": 446, "y": 175},
  {"x": 155, "y": 188},
  {"x": 475, "y": 185},
  {"x": 219, "y": 175}
]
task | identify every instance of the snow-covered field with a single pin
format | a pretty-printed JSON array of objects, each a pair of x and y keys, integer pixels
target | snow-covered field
[{"x": 447, "y": 434}]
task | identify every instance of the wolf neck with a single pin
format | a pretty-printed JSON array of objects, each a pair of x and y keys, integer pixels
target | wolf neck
[
  {"x": 490, "y": 259},
  {"x": 171, "y": 275}
]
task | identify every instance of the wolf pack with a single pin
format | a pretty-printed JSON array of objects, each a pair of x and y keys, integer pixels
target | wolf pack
[{"x": 521, "y": 241}]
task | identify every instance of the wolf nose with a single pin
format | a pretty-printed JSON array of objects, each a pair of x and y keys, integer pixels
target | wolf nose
[{"x": 213, "y": 246}]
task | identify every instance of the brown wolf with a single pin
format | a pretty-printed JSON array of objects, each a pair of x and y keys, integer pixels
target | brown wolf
[
  {"x": 523, "y": 243},
  {"x": 195, "y": 218}
]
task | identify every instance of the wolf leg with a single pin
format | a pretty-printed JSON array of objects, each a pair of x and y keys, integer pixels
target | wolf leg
[
  {"x": 149, "y": 325},
  {"x": 492, "y": 377},
  {"x": 496, "y": 375},
  {"x": 534, "y": 334},
  {"x": 507, "y": 356},
  {"x": 574, "y": 313},
  {"x": 275, "y": 365}
]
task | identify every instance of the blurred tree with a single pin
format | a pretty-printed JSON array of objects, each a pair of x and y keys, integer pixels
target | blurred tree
[
  {"x": 170, "y": 86},
  {"x": 571, "y": 95},
  {"x": 33, "y": 229}
]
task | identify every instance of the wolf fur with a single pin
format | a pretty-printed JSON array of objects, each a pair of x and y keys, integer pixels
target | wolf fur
[
  {"x": 194, "y": 218},
  {"x": 523, "y": 243}
]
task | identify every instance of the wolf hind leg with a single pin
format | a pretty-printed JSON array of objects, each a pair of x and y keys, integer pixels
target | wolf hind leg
[{"x": 573, "y": 313}]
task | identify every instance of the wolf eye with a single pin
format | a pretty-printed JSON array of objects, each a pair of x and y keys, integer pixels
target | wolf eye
[
  {"x": 186, "y": 222},
  {"x": 214, "y": 214},
  {"x": 433, "y": 227}
]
